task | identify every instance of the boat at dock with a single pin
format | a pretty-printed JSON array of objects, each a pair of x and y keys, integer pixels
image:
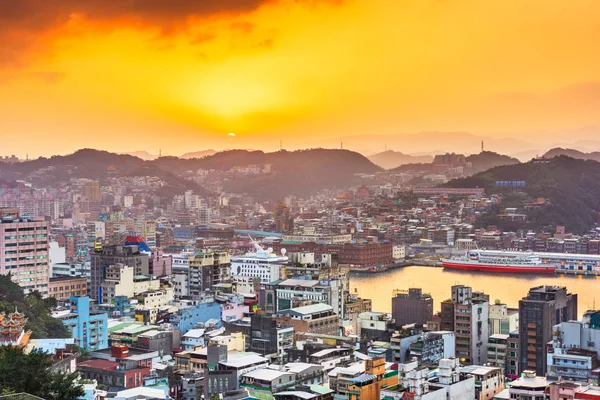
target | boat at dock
[{"x": 500, "y": 261}]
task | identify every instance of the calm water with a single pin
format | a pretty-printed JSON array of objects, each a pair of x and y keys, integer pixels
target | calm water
[{"x": 437, "y": 281}]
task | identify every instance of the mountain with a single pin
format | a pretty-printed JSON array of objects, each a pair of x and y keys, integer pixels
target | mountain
[
  {"x": 479, "y": 162},
  {"x": 95, "y": 164},
  {"x": 299, "y": 172},
  {"x": 488, "y": 159},
  {"x": 571, "y": 186},
  {"x": 144, "y": 155},
  {"x": 391, "y": 159},
  {"x": 198, "y": 154},
  {"x": 280, "y": 173},
  {"x": 572, "y": 153}
]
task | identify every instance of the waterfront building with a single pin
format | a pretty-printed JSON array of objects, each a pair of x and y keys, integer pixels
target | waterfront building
[
  {"x": 503, "y": 319},
  {"x": 24, "y": 250},
  {"x": 543, "y": 308},
  {"x": 261, "y": 264},
  {"x": 467, "y": 313},
  {"x": 411, "y": 307}
]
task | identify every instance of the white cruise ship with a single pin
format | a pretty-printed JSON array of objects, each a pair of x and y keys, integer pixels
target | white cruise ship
[{"x": 262, "y": 263}]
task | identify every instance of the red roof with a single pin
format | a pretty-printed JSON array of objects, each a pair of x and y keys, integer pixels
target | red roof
[{"x": 99, "y": 364}]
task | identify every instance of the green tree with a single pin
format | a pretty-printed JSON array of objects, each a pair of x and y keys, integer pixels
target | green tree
[
  {"x": 30, "y": 373},
  {"x": 34, "y": 307}
]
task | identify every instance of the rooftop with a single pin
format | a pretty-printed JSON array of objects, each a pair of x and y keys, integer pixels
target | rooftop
[
  {"x": 239, "y": 359},
  {"x": 99, "y": 364},
  {"x": 297, "y": 393},
  {"x": 265, "y": 374},
  {"x": 194, "y": 333},
  {"x": 478, "y": 370},
  {"x": 299, "y": 282},
  {"x": 311, "y": 309}
]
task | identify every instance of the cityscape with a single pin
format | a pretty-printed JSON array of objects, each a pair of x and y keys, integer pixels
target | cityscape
[{"x": 299, "y": 200}]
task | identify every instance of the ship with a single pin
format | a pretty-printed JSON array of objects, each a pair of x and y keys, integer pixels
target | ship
[{"x": 500, "y": 261}]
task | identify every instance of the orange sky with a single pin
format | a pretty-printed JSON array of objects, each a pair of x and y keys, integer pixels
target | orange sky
[{"x": 181, "y": 74}]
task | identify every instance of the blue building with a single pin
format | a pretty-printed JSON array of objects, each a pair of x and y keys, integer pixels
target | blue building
[
  {"x": 187, "y": 317},
  {"x": 89, "y": 329}
]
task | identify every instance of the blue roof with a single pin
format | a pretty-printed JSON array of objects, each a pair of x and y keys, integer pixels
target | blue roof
[
  {"x": 256, "y": 233},
  {"x": 363, "y": 378}
]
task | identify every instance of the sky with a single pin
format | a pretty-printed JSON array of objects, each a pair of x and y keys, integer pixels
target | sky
[{"x": 182, "y": 75}]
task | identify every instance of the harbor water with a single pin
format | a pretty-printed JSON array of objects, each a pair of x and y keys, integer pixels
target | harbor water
[{"x": 508, "y": 288}]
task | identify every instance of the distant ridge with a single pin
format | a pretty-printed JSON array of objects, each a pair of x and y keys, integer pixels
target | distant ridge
[
  {"x": 144, "y": 155},
  {"x": 198, "y": 154},
  {"x": 489, "y": 159},
  {"x": 559, "y": 151},
  {"x": 299, "y": 172},
  {"x": 391, "y": 159}
]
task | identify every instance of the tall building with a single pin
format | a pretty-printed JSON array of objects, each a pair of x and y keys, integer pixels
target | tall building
[
  {"x": 503, "y": 319},
  {"x": 24, "y": 250},
  {"x": 412, "y": 307},
  {"x": 112, "y": 255},
  {"x": 89, "y": 329},
  {"x": 281, "y": 215},
  {"x": 544, "y": 307},
  {"x": 207, "y": 269},
  {"x": 467, "y": 315},
  {"x": 91, "y": 191}
]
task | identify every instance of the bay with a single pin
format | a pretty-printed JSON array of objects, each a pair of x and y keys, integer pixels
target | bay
[{"x": 437, "y": 281}]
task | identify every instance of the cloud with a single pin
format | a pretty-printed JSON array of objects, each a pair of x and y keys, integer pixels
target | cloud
[
  {"x": 23, "y": 22},
  {"x": 203, "y": 37},
  {"x": 242, "y": 27}
]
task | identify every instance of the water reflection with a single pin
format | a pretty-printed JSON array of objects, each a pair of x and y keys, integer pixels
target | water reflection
[{"x": 437, "y": 281}]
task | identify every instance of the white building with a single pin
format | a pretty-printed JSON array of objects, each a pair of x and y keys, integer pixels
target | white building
[
  {"x": 488, "y": 380},
  {"x": 192, "y": 339},
  {"x": 263, "y": 264},
  {"x": 399, "y": 253},
  {"x": 290, "y": 293},
  {"x": 503, "y": 319},
  {"x": 528, "y": 387}
]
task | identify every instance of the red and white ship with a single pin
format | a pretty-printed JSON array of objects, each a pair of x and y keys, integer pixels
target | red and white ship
[{"x": 500, "y": 261}]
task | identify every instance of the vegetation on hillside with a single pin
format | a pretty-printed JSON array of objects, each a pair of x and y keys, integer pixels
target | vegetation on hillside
[
  {"x": 488, "y": 159},
  {"x": 558, "y": 151},
  {"x": 572, "y": 187},
  {"x": 29, "y": 373},
  {"x": 35, "y": 309},
  {"x": 303, "y": 171}
]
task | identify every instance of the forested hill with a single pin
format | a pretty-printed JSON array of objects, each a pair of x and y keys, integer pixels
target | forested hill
[
  {"x": 295, "y": 172},
  {"x": 571, "y": 186}
]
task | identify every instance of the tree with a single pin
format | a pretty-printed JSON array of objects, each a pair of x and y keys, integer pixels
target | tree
[
  {"x": 30, "y": 373},
  {"x": 35, "y": 308}
]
